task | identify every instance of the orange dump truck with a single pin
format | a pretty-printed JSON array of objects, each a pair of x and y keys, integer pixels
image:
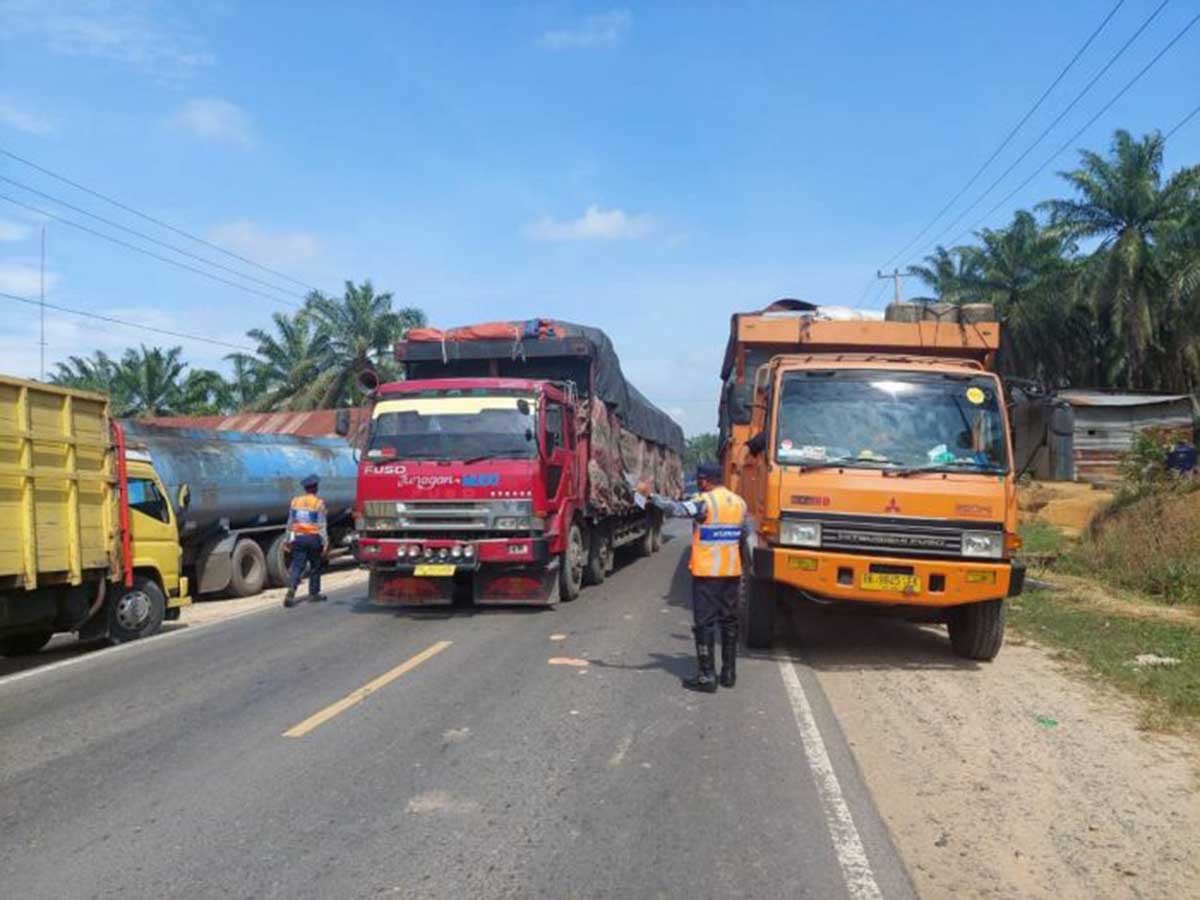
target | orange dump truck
[{"x": 876, "y": 463}]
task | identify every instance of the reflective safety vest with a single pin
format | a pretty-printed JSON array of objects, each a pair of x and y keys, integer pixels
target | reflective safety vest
[
  {"x": 307, "y": 515},
  {"x": 716, "y": 542}
]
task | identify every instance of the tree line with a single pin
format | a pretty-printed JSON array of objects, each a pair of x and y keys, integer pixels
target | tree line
[
  {"x": 1100, "y": 289},
  {"x": 308, "y": 360}
]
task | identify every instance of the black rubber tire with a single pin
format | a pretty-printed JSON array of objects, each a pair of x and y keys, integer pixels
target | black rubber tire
[
  {"x": 248, "y": 569},
  {"x": 762, "y": 601},
  {"x": 120, "y": 629},
  {"x": 24, "y": 644},
  {"x": 570, "y": 577},
  {"x": 277, "y": 563},
  {"x": 977, "y": 630},
  {"x": 598, "y": 552}
]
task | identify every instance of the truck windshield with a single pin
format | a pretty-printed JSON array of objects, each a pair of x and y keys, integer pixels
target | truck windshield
[
  {"x": 888, "y": 419},
  {"x": 457, "y": 428}
]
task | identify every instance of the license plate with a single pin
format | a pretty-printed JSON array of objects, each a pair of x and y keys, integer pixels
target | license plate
[
  {"x": 435, "y": 570},
  {"x": 877, "y": 581}
]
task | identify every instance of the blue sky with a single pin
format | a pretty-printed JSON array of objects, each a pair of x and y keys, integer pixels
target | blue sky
[{"x": 646, "y": 168}]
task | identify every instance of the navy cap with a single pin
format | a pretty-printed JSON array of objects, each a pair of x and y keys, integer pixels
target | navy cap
[
  {"x": 310, "y": 481},
  {"x": 708, "y": 470}
]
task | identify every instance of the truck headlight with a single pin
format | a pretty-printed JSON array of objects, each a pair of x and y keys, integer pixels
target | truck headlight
[
  {"x": 800, "y": 534},
  {"x": 983, "y": 544}
]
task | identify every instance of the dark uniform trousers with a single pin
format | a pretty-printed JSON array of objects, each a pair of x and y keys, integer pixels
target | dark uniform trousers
[
  {"x": 306, "y": 551},
  {"x": 714, "y": 605}
]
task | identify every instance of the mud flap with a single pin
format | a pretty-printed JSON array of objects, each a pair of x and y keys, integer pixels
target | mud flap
[
  {"x": 403, "y": 589},
  {"x": 524, "y": 585}
]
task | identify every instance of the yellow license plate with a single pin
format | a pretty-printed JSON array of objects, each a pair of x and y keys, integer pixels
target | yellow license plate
[
  {"x": 435, "y": 570},
  {"x": 876, "y": 581}
]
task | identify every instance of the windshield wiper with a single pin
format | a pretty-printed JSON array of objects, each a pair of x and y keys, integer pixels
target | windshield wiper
[
  {"x": 837, "y": 462},
  {"x": 968, "y": 466},
  {"x": 502, "y": 454}
]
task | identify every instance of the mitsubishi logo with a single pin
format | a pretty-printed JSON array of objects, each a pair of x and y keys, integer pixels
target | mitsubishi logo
[{"x": 892, "y": 506}]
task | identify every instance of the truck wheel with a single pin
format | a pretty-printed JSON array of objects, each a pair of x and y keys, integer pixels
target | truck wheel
[
  {"x": 277, "y": 564},
  {"x": 248, "y": 569},
  {"x": 574, "y": 561},
  {"x": 136, "y": 612},
  {"x": 24, "y": 644},
  {"x": 645, "y": 544},
  {"x": 761, "y": 603},
  {"x": 977, "y": 629},
  {"x": 599, "y": 550}
]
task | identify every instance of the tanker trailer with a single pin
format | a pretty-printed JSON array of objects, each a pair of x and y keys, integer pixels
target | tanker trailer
[{"x": 231, "y": 491}]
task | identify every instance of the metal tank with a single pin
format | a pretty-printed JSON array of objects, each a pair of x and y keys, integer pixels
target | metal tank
[{"x": 239, "y": 480}]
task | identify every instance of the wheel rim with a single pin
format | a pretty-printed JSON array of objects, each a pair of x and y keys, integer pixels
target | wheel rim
[
  {"x": 576, "y": 557},
  {"x": 133, "y": 610}
]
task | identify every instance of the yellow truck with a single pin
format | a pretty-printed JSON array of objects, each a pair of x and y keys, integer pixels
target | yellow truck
[{"x": 89, "y": 541}]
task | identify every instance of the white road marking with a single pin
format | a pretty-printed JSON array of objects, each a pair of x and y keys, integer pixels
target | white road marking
[
  {"x": 851, "y": 854},
  {"x": 623, "y": 746}
]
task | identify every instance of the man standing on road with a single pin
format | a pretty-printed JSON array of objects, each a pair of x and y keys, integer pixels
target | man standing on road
[
  {"x": 308, "y": 540},
  {"x": 718, "y": 526}
]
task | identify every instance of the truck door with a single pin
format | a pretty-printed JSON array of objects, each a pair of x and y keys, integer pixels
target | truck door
[
  {"x": 557, "y": 454},
  {"x": 155, "y": 537}
]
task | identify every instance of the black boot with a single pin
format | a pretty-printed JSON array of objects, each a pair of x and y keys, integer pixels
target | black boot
[
  {"x": 289, "y": 599},
  {"x": 706, "y": 680},
  {"x": 729, "y": 641}
]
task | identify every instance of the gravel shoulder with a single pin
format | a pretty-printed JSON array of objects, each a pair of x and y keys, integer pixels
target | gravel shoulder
[{"x": 1019, "y": 778}]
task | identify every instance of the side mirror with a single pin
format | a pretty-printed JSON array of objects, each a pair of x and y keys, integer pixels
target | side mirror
[
  {"x": 184, "y": 497},
  {"x": 341, "y": 422},
  {"x": 757, "y": 444},
  {"x": 368, "y": 380}
]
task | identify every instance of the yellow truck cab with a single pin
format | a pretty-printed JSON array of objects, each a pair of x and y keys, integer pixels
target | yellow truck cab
[
  {"x": 876, "y": 463},
  {"x": 91, "y": 543}
]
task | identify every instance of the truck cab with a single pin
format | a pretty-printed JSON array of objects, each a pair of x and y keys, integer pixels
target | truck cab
[{"x": 155, "y": 531}]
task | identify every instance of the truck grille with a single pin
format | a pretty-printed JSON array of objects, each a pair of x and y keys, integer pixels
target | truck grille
[
  {"x": 894, "y": 536},
  {"x": 449, "y": 516}
]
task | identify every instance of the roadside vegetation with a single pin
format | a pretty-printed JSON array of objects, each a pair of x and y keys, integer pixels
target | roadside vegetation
[{"x": 307, "y": 360}]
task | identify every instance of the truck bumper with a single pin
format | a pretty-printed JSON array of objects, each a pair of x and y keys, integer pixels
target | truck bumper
[{"x": 934, "y": 583}]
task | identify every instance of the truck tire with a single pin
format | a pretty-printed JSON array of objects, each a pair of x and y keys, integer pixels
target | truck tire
[
  {"x": 277, "y": 564},
  {"x": 24, "y": 644},
  {"x": 248, "y": 568},
  {"x": 977, "y": 630},
  {"x": 599, "y": 551},
  {"x": 574, "y": 561},
  {"x": 644, "y": 546},
  {"x": 135, "y": 612},
  {"x": 761, "y": 602}
]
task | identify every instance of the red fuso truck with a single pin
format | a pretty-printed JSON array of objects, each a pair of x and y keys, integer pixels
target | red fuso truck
[{"x": 504, "y": 463}]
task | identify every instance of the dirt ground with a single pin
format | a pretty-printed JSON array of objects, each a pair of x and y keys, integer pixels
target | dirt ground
[
  {"x": 1014, "y": 779},
  {"x": 1068, "y": 506}
]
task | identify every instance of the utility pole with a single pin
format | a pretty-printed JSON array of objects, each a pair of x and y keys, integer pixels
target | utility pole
[
  {"x": 895, "y": 275},
  {"x": 42, "y": 304}
]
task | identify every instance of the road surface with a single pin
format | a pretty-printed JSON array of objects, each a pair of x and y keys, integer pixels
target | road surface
[{"x": 340, "y": 751}]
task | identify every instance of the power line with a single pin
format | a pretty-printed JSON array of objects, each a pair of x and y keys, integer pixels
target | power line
[
  {"x": 159, "y": 222},
  {"x": 1062, "y": 115},
  {"x": 1182, "y": 122},
  {"x": 143, "y": 250},
  {"x": 1090, "y": 122},
  {"x": 146, "y": 237},
  {"x": 1008, "y": 139},
  {"x": 115, "y": 321}
]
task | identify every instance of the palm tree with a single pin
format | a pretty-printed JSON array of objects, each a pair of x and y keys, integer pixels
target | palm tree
[
  {"x": 950, "y": 273},
  {"x": 94, "y": 373},
  {"x": 1124, "y": 202},
  {"x": 285, "y": 371},
  {"x": 149, "y": 380},
  {"x": 359, "y": 331}
]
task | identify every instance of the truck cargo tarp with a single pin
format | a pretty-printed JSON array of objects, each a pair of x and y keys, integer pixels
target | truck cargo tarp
[{"x": 636, "y": 413}]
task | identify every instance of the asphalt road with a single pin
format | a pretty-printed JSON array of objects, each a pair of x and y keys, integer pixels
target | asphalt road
[{"x": 340, "y": 751}]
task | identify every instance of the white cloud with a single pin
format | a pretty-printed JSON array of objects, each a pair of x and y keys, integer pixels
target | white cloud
[
  {"x": 10, "y": 232},
  {"x": 595, "y": 224},
  {"x": 602, "y": 30},
  {"x": 16, "y": 117},
  {"x": 24, "y": 279},
  {"x": 276, "y": 249},
  {"x": 213, "y": 119},
  {"x": 129, "y": 31}
]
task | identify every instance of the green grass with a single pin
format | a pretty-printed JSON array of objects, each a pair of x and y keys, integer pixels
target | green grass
[
  {"x": 1041, "y": 538},
  {"x": 1107, "y": 644}
]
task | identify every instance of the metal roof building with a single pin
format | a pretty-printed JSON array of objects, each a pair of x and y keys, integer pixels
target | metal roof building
[
  {"x": 1106, "y": 422},
  {"x": 315, "y": 423}
]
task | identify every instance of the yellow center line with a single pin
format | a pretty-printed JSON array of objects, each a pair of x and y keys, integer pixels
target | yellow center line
[{"x": 361, "y": 694}]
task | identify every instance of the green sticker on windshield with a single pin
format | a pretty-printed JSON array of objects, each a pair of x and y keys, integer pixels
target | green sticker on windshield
[{"x": 975, "y": 395}]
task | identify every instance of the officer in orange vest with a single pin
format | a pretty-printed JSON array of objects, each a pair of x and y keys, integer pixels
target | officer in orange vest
[
  {"x": 307, "y": 539},
  {"x": 719, "y": 524}
]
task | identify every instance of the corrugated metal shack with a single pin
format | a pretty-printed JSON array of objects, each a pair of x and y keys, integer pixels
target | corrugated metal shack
[
  {"x": 1106, "y": 421},
  {"x": 316, "y": 423}
]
